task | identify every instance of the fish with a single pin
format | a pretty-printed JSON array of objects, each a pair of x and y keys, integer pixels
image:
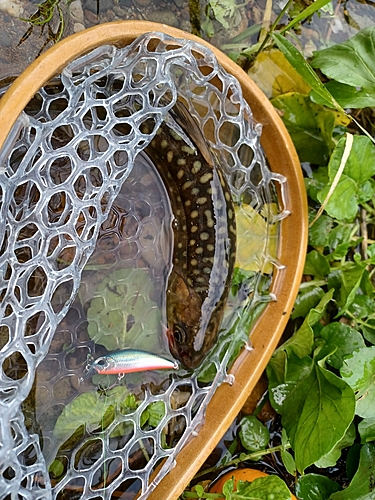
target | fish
[
  {"x": 130, "y": 361},
  {"x": 204, "y": 236}
]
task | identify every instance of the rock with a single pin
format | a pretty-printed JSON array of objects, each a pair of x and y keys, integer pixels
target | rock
[
  {"x": 12, "y": 7},
  {"x": 76, "y": 12},
  {"x": 143, "y": 3},
  {"x": 78, "y": 27},
  {"x": 164, "y": 17},
  {"x": 91, "y": 17}
]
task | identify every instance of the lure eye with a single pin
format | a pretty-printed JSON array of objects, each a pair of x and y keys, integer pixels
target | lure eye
[
  {"x": 179, "y": 334},
  {"x": 101, "y": 362}
]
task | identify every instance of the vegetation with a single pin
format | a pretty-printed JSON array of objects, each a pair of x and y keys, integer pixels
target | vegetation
[{"x": 321, "y": 381}]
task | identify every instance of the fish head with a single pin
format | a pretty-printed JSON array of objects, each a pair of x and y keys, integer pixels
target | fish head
[{"x": 188, "y": 340}]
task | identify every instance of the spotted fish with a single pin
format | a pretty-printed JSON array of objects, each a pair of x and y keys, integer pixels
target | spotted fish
[{"x": 204, "y": 237}]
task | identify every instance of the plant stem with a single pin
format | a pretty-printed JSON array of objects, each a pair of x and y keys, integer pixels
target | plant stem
[
  {"x": 242, "y": 458},
  {"x": 267, "y": 37}
]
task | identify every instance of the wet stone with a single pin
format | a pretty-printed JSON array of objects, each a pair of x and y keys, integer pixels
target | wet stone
[{"x": 164, "y": 16}]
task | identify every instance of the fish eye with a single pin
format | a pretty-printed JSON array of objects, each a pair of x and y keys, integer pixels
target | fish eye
[{"x": 179, "y": 334}]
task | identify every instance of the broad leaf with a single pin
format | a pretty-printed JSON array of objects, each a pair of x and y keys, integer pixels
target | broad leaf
[
  {"x": 263, "y": 488},
  {"x": 362, "y": 485},
  {"x": 310, "y": 126},
  {"x": 358, "y": 370},
  {"x": 309, "y": 400},
  {"x": 307, "y": 299},
  {"x": 366, "y": 429},
  {"x": 331, "y": 458},
  {"x": 275, "y": 76},
  {"x": 316, "y": 265},
  {"x": 303, "y": 68},
  {"x": 302, "y": 341},
  {"x": 253, "y": 434},
  {"x": 359, "y": 168},
  {"x": 315, "y": 487},
  {"x": 347, "y": 96},
  {"x": 342, "y": 339},
  {"x": 351, "y": 62}
]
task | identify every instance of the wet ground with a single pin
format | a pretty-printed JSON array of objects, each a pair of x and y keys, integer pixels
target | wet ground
[{"x": 222, "y": 22}]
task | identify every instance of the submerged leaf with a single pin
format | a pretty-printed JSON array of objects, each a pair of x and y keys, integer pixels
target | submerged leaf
[{"x": 122, "y": 314}]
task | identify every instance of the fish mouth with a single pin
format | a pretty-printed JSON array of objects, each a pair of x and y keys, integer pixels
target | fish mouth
[{"x": 190, "y": 361}]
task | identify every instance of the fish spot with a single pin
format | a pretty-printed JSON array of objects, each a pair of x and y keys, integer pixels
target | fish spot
[
  {"x": 170, "y": 156},
  {"x": 207, "y": 270},
  {"x": 192, "y": 242},
  {"x": 227, "y": 196},
  {"x": 210, "y": 247},
  {"x": 232, "y": 229},
  {"x": 187, "y": 184},
  {"x": 230, "y": 213},
  {"x": 200, "y": 279},
  {"x": 184, "y": 266},
  {"x": 194, "y": 229},
  {"x": 204, "y": 236},
  {"x": 195, "y": 191},
  {"x": 181, "y": 161},
  {"x": 164, "y": 144},
  {"x": 196, "y": 272},
  {"x": 188, "y": 150},
  {"x": 179, "y": 245},
  {"x": 209, "y": 190},
  {"x": 199, "y": 250},
  {"x": 179, "y": 199},
  {"x": 190, "y": 281},
  {"x": 180, "y": 174},
  {"x": 206, "y": 177},
  {"x": 194, "y": 214},
  {"x": 193, "y": 262},
  {"x": 197, "y": 165},
  {"x": 153, "y": 143},
  {"x": 187, "y": 203},
  {"x": 184, "y": 227},
  {"x": 202, "y": 200},
  {"x": 210, "y": 221}
]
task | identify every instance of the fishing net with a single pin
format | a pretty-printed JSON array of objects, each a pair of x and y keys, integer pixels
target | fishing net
[{"x": 75, "y": 183}]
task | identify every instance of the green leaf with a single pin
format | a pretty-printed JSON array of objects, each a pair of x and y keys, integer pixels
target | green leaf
[
  {"x": 155, "y": 413},
  {"x": 309, "y": 399},
  {"x": 304, "y": 69},
  {"x": 358, "y": 370},
  {"x": 350, "y": 62},
  {"x": 302, "y": 341},
  {"x": 302, "y": 16},
  {"x": 263, "y": 488},
  {"x": 331, "y": 458},
  {"x": 347, "y": 96},
  {"x": 351, "y": 274},
  {"x": 362, "y": 484},
  {"x": 122, "y": 314},
  {"x": 320, "y": 231},
  {"x": 288, "y": 461},
  {"x": 310, "y": 126},
  {"x": 253, "y": 434},
  {"x": 307, "y": 299},
  {"x": 341, "y": 338},
  {"x": 316, "y": 265},
  {"x": 359, "y": 168},
  {"x": 317, "y": 180},
  {"x": 366, "y": 429},
  {"x": 91, "y": 411},
  {"x": 315, "y": 487}
]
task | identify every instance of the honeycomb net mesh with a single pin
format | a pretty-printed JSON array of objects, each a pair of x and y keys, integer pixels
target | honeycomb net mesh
[{"x": 68, "y": 160}]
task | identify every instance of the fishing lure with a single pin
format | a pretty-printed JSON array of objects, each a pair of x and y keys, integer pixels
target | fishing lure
[
  {"x": 129, "y": 361},
  {"x": 204, "y": 232}
]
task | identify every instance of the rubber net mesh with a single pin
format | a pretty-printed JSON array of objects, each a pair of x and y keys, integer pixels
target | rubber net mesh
[{"x": 75, "y": 183}]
